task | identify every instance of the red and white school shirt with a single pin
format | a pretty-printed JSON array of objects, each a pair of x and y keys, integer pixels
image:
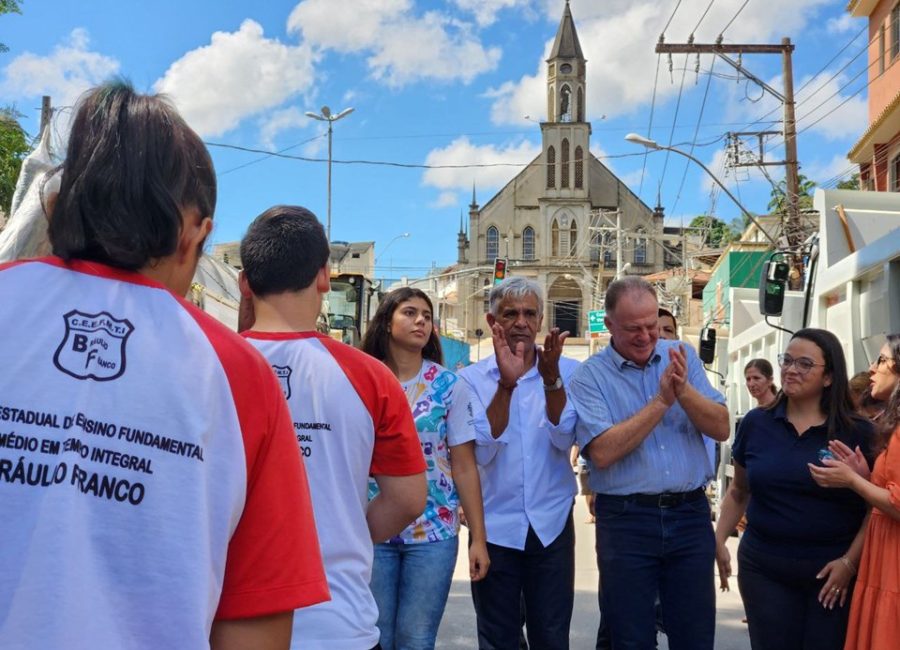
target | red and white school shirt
[
  {"x": 352, "y": 420},
  {"x": 149, "y": 481}
]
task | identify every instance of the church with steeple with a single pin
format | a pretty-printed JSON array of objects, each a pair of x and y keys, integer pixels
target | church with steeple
[{"x": 555, "y": 221}]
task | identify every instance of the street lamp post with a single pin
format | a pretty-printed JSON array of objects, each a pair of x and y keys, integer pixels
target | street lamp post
[
  {"x": 327, "y": 116},
  {"x": 652, "y": 144},
  {"x": 403, "y": 235}
]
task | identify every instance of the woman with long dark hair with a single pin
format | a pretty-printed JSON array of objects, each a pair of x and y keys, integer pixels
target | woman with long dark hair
[
  {"x": 802, "y": 541},
  {"x": 875, "y": 610},
  {"x": 412, "y": 572}
]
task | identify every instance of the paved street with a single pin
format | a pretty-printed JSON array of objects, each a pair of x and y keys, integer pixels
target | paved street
[{"x": 458, "y": 626}]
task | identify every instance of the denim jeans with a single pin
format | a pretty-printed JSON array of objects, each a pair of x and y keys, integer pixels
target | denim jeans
[
  {"x": 410, "y": 583},
  {"x": 647, "y": 550},
  {"x": 781, "y": 600}
]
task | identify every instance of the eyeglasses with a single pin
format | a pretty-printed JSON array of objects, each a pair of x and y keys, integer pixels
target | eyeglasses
[
  {"x": 881, "y": 360},
  {"x": 803, "y": 365}
]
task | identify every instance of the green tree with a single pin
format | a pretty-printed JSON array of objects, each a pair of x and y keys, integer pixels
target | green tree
[
  {"x": 851, "y": 183},
  {"x": 720, "y": 233},
  {"x": 13, "y": 149},
  {"x": 8, "y": 7},
  {"x": 778, "y": 202}
]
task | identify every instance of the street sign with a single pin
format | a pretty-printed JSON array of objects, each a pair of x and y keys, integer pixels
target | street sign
[{"x": 596, "y": 326}]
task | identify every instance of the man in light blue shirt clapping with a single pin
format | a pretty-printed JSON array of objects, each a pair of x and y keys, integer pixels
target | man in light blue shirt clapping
[
  {"x": 525, "y": 428},
  {"x": 644, "y": 406}
]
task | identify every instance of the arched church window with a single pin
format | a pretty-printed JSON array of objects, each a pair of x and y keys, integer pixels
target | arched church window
[
  {"x": 551, "y": 167},
  {"x": 528, "y": 243},
  {"x": 640, "y": 249},
  {"x": 554, "y": 238},
  {"x": 565, "y": 104},
  {"x": 493, "y": 243},
  {"x": 564, "y": 164},
  {"x": 573, "y": 239},
  {"x": 579, "y": 106},
  {"x": 579, "y": 168}
]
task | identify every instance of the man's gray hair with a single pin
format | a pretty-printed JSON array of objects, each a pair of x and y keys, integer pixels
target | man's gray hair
[
  {"x": 618, "y": 288},
  {"x": 516, "y": 287}
]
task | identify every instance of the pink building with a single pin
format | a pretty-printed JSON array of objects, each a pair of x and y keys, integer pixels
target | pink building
[{"x": 878, "y": 150}]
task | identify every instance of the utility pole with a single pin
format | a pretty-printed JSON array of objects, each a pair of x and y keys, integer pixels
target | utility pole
[
  {"x": 620, "y": 250},
  {"x": 46, "y": 113},
  {"x": 792, "y": 229}
]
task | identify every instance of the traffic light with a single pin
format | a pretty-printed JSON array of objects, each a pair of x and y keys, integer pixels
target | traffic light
[{"x": 499, "y": 269}]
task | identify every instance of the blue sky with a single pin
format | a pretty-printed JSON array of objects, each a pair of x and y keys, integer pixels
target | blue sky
[{"x": 443, "y": 83}]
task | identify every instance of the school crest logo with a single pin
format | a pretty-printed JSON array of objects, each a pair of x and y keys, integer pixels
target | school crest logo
[
  {"x": 93, "y": 346},
  {"x": 284, "y": 378}
]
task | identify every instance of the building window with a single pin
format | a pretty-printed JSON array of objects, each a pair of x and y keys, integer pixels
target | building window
[
  {"x": 554, "y": 238},
  {"x": 640, "y": 251},
  {"x": 564, "y": 164},
  {"x": 528, "y": 243},
  {"x": 565, "y": 104},
  {"x": 580, "y": 105},
  {"x": 895, "y": 31},
  {"x": 493, "y": 243},
  {"x": 579, "y": 168},
  {"x": 895, "y": 174},
  {"x": 573, "y": 239},
  {"x": 551, "y": 167}
]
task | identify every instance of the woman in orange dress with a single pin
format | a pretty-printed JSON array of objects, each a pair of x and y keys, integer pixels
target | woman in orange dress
[{"x": 875, "y": 610}]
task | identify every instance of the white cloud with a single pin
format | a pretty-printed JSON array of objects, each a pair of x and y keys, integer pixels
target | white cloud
[
  {"x": 64, "y": 74},
  {"x": 486, "y": 11},
  {"x": 462, "y": 152},
  {"x": 402, "y": 48},
  {"x": 239, "y": 74},
  {"x": 822, "y": 105},
  {"x": 822, "y": 171},
  {"x": 280, "y": 120},
  {"x": 445, "y": 200},
  {"x": 843, "y": 24},
  {"x": 621, "y": 71}
]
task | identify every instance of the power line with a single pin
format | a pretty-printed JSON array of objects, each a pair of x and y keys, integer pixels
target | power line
[{"x": 724, "y": 29}]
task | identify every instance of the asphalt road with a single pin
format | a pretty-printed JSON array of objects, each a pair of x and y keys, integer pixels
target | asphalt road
[{"x": 457, "y": 630}]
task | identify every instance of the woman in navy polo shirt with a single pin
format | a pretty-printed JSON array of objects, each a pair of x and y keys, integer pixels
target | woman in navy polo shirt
[{"x": 802, "y": 541}]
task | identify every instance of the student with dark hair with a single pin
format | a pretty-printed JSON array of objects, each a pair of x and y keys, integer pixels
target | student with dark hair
[
  {"x": 875, "y": 610},
  {"x": 802, "y": 542},
  {"x": 413, "y": 570},
  {"x": 350, "y": 418},
  {"x": 150, "y": 490}
]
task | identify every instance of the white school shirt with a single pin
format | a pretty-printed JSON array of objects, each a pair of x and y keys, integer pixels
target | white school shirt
[
  {"x": 149, "y": 481},
  {"x": 351, "y": 420},
  {"x": 526, "y": 476}
]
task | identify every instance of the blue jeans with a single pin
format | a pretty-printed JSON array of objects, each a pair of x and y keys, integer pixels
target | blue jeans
[
  {"x": 645, "y": 550},
  {"x": 410, "y": 583}
]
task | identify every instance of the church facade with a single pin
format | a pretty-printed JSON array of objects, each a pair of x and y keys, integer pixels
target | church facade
[{"x": 556, "y": 220}]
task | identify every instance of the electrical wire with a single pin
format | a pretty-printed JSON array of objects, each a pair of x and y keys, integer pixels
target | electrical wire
[{"x": 724, "y": 29}]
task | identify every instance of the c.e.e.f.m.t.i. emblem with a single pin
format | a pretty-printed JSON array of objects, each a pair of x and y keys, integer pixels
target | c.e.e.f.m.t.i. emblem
[
  {"x": 284, "y": 378},
  {"x": 93, "y": 346}
]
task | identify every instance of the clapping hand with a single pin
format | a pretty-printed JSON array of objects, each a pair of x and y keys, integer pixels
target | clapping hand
[
  {"x": 853, "y": 458},
  {"x": 510, "y": 363},
  {"x": 674, "y": 377},
  {"x": 835, "y": 474},
  {"x": 548, "y": 355}
]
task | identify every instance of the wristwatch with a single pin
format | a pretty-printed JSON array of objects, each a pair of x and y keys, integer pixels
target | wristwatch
[{"x": 556, "y": 385}]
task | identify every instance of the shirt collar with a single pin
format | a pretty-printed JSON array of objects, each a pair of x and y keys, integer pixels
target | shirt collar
[{"x": 621, "y": 362}]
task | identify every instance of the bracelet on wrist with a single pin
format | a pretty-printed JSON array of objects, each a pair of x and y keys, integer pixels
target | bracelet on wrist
[{"x": 847, "y": 563}]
